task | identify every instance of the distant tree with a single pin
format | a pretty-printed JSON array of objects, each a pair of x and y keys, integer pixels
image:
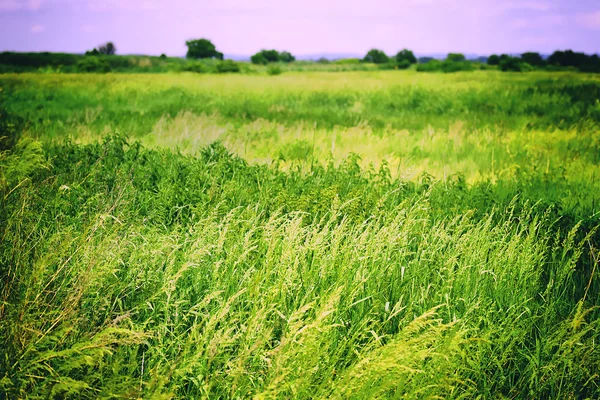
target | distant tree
[
  {"x": 425, "y": 60},
  {"x": 258, "y": 58},
  {"x": 592, "y": 64},
  {"x": 202, "y": 48},
  {"x": 534, "y": 59},
  {"x": 404, "y": 56},
  {"x": 163, "y": 56},
  {"x": 323, "y": 60},
  {"x": 271, "y": 55},
  {"x": 494, "y": 59},
  {"x": 376, "y": 56},
  {"x": 568, "y": 58},
  {"x": 286, "y": 57},
  {"x": 456, "y": 57},
  {"x": 267, "y": 56},
  {"x": 514, "y": 64},
  {"x": 108, "y": 49},
  {"x": 93, "y": 52}
]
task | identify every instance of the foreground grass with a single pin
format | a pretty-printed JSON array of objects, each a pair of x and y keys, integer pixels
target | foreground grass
[{"x": 140, "y": 273}]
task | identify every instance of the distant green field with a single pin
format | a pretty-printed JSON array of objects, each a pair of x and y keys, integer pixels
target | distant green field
[{"x": 365, "y": 234}]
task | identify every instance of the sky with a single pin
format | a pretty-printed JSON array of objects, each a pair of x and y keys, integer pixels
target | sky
[{"x": 243, "y": 27}]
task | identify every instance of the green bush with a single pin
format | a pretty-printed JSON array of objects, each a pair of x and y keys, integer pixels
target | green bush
[
  {"x": 456, "y": 57},
  {"x": 268, "y": 56},
  {"x": 347, "y": 61},
  {"x": 388, "y": 65},
  {"x": 404, "y": 64},
  {"x": 195, "y": 66},
  {"x": 533, "y": 59},
  {"x": 445, "y": 66},
  {"x": 274, "y": 70},
  {"x": 456, "y": 66},
  {"x": 258, "y": 58},
  {"x": 24, "y": 62},
  {"x": 227, "y": 66},
  {"x": 286, "y": 57},
  {"x": 494, "y": 59},
  {"x": 514, "y": 64},
  {"x": 376, "y": 56},
  {"x": 406, "y": 56},
  {"x": 93, "y": 64}
]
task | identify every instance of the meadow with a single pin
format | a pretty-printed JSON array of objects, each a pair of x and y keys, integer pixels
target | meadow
[{"x": 358, "y": 234}]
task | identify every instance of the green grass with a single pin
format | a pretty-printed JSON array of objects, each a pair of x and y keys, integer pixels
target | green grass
[{"x": 308, "y": 235}]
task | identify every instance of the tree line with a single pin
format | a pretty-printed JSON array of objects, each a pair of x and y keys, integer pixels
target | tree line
[
  {"x": 203, "y": 48},
  {"x": 531, "y": 60},
  {"x": 525, "y": 62},
  {"x": 202, "y": 56}
]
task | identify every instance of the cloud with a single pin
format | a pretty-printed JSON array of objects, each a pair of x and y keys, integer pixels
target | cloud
[
  {"x": 37, "y": 29},
  {"x": 590, "y": 21}
]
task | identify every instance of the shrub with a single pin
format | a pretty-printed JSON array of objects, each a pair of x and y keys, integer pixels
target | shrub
[
  {"x": 258, "y": 58},
  {"x": 273, "y": 70},
  {"x": 514, "y": 64},
  {"x": 404, "y": 64},
  {"x": 494, "y": 59},
  {"x": 270, "y": 55},
  {"x": 456, "y": 57},
  {"x": 266, "y": 56},
  {"x": 432, "y": 65},
  {"x": 197, "y": 67},
  {"x": 406, "y": 56},
  {"x": 445, "y": 66},
  {"x": 534, "y": 59},
  {"x": 93, "y": 64},
  {"x": 32, "y": 61},
  {"x": 286, "y": 57},
  {"x": 228, "y": 66},
  {"x": 456, "y": 66},
  {"x": 376, "y": 56},
  {"x": 388, "y": 65},
  {"x": 347, "y": 61}
]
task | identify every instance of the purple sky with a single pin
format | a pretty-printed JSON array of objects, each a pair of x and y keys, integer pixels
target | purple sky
[{"x": 243, "y": 27}]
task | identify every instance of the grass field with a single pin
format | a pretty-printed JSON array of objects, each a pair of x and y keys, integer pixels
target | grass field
[{"x": 366, "y": 234}]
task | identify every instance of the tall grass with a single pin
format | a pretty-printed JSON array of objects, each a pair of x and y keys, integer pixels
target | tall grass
[
  {"x": 246, "y": 238},
  {"x": 141, "y": 273}
]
